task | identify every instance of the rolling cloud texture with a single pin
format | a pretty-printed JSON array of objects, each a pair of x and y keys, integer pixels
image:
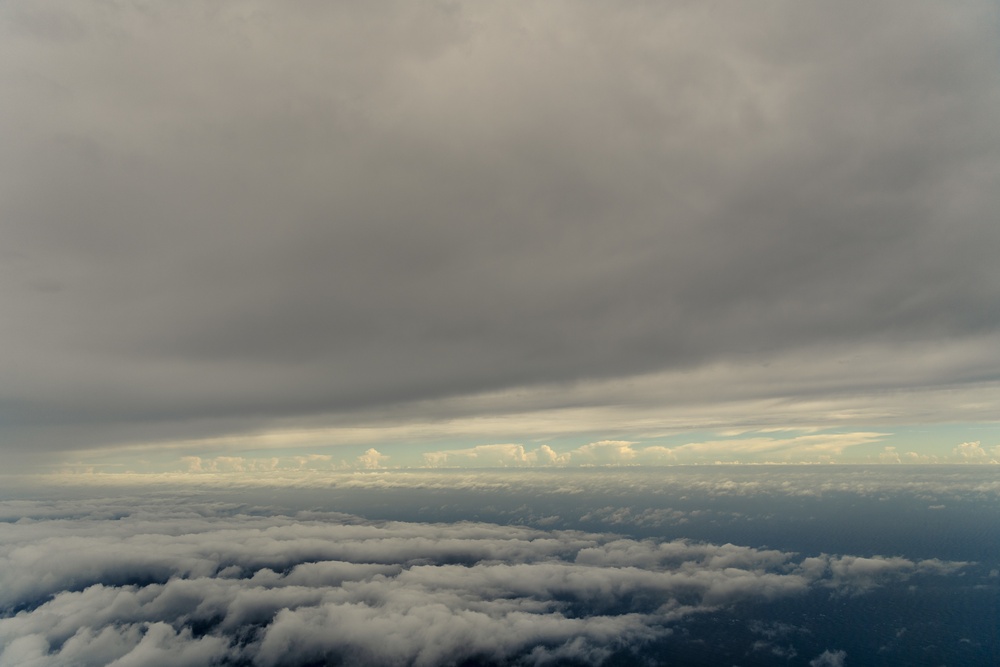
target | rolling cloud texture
[{"x": 131, "y": 581}]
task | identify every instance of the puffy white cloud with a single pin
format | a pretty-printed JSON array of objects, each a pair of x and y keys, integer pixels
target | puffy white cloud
[
  {"x": 545, "y": 455},
  {"x": 396, "y": 633},
  {"x": 889, "y": 455},
  {"x": 179, "y": 581},
  {"x": 612, "y": 452},
  {"x": 740, "y": 447},
  {"x": 856, "y": 574},
  {"x": 127, "y": 645},
  {"x": 496, "y": 455},
  {"x": 829, "y": 658},
  {"x": 914, "y": 457},
  {"x": 372, "y": 459},
  {"x": 650, "y": 516},
  {"x": 249, "y": 464},
  {"x": 604, "y": 452},
  {"x": 971, "y": 452}
]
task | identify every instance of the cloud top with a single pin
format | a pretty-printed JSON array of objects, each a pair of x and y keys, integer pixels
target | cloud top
[{"x": 191, "y": 582}]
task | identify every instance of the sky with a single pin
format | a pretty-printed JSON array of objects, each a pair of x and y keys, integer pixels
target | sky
[{"x": 250, "y": 236}]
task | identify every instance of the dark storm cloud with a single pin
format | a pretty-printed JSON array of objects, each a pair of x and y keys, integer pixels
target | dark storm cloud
[
  {"x": 274, "y": 210},
  {"x": 177, "y": 581}
]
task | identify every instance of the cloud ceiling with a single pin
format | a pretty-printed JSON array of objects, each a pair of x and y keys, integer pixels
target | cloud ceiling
[{"x": 215, "y": 217}]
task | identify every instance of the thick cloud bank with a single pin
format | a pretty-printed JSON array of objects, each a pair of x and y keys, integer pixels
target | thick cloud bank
[
  {"x": 132, "y": 582},
  {"x": 215, "y": 218}
]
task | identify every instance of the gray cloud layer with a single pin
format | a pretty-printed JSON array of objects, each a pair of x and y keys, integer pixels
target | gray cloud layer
[
  {"x": 183, "y": 582},
  {"x": 257, "y": 211}
]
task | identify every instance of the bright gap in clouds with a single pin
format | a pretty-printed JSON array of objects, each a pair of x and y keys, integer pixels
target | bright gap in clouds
[
  {"x": 734, "y": 413},
  {"x": 429, "y": 446}
]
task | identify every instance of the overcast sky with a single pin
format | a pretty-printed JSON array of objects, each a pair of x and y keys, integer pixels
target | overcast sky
[{"x": 326, "y": 224}]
